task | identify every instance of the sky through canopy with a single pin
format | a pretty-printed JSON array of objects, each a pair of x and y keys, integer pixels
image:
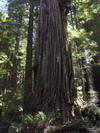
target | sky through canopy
[{"x": 3, "y": 5}]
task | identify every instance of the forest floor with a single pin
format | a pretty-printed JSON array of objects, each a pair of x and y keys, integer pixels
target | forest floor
[{"x": 76, "y": 126}]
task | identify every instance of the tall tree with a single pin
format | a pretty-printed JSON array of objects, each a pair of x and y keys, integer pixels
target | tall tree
[
  {"x": 52, "y": 88},
  {"x": 28, "y": 70},
  {"x": 12, "y": 39}
]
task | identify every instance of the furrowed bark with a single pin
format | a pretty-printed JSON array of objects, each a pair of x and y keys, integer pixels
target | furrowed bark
[{"x": 52, "y": 80}]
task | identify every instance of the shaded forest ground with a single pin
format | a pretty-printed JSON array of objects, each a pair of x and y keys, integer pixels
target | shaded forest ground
[{"x": 86, "y": 125}]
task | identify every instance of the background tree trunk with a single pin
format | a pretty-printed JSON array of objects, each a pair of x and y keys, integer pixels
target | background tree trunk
[{"x": 28, "y": 70}]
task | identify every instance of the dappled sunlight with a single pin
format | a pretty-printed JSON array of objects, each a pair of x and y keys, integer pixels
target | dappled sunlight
[{"x": 49, "y": 66}]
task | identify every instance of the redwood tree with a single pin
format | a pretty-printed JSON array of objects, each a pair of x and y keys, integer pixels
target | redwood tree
[
  {"x": 28, "y": 69},
  {"x": 53, "y": 66}
]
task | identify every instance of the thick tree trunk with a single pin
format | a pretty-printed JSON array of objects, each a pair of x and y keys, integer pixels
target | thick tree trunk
[
  {"x": 28, "y": 71},
  {"x": 52, "y": 82}
]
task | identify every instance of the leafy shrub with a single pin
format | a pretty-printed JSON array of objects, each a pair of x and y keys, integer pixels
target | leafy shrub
[
  {"x": 15, "y": 128},
  {"x": 40, "y": 116},
  {"x": 92, "y": 110},
  {"x": 93, "y": 100},
  {"x": 27, "y": 118},
  {"x": 32, "y": 124}
]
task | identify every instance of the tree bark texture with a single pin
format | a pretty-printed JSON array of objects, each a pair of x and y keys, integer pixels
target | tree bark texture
[{"x": 52, "y": 82}]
